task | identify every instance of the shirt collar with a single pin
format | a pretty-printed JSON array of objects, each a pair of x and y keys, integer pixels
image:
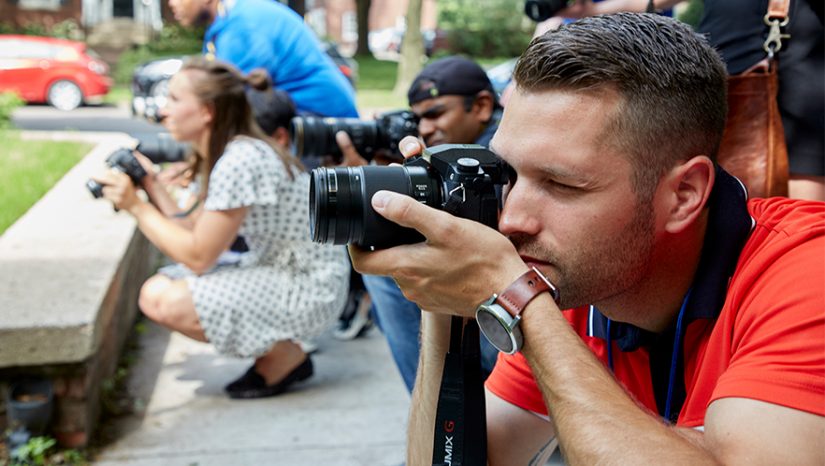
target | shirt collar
[
  {"x": 729, "y": 226},
  {"x": 490, "y": 129}
]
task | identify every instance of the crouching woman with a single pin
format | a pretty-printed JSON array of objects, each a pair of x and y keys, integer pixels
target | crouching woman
[{"x": 285, "y": 287}]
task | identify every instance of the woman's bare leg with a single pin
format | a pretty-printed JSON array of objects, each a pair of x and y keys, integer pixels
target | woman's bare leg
[
  {"x": 282, "y": 359},
  {"x": 169, "y": 303}
]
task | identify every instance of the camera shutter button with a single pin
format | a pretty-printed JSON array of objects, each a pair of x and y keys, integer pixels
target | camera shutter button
[{"x": 468, "y": 165}]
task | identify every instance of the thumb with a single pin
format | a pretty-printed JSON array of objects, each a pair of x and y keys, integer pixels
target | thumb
[{"x": 407, "y": 212}]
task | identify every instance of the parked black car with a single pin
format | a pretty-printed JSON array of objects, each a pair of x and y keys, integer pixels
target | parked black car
[{"x": 150, "y": 81}]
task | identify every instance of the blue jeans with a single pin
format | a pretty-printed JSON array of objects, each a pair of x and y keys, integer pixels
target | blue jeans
[{"x": 400, "y": 321}]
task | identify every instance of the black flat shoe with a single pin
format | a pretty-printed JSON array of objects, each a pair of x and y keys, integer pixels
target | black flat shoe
[{"x": 252, "y": 385}]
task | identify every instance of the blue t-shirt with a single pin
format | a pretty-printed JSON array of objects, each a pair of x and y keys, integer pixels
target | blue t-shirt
[{"x": 266, "y": 34}]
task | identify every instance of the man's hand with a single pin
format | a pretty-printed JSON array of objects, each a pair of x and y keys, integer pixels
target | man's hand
[
  {"x": 576, "y": 10},
  {"x": 460, "y": 264},
  {"x": 351, "y": 157}
]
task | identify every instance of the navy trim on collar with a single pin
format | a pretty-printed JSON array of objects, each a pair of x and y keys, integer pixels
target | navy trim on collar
[{"x": 729, "y": 225}]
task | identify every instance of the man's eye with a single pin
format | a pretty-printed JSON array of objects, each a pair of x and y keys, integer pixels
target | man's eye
[{"x": 553, "y": 184}]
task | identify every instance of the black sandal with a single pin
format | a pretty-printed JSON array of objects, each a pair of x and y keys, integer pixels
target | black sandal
[{"x": 253, "y": 385}]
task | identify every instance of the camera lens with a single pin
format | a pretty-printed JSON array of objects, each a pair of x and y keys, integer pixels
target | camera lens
[
  {"x": 315, "y": 137},
  {"x": 95, "y": 188},
  {"x": 341, "y": 213},
  {"x": 540, "y": 10}
]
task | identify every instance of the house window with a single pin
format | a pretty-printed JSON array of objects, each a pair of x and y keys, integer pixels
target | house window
[{"x": 53, "y": 5}]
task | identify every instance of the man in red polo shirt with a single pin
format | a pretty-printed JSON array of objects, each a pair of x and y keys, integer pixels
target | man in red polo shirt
[{"x": 695, "y": 319}]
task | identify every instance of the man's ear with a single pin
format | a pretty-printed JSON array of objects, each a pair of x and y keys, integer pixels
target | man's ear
[
  {"x": 687, "y": 190},
  {"x": 483, "y": 106}
]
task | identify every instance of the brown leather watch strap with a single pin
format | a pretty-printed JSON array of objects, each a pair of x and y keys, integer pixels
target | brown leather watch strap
[{"x": 526, "y": 287}]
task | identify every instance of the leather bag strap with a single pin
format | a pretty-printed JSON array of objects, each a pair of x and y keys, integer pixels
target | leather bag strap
[{"x": 776, "y": 18}]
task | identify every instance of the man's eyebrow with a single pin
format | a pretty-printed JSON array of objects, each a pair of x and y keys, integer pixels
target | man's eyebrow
[
  {"x": 573, "y": 177},
  {"x": 434, "y": 110}
]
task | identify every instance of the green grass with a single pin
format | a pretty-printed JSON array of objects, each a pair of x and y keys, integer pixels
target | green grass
[
  {"x": 28, "y": 169},
  {"x": 119, "y": 94},
  {"x": 376, "y": 74}
]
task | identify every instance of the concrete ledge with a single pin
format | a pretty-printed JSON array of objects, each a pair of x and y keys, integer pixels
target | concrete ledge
[{"x": 70, "y": 270}]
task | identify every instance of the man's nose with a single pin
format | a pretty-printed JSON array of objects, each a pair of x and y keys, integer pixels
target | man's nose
[
  {"x": 520, "y": 212},
  {"x": 425, "y": 128}
]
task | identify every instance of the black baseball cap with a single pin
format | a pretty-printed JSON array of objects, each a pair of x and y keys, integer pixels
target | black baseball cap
[{"x": 449, "y": 76}]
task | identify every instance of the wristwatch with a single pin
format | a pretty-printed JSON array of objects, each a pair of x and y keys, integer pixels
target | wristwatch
[{"x": 498, "y": 317}]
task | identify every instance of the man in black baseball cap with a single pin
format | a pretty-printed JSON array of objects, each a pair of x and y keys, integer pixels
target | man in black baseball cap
[{"x": 455, "y": 103}]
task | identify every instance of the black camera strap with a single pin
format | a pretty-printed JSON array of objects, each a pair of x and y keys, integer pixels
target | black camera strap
[{"x": 460, "y": 432}]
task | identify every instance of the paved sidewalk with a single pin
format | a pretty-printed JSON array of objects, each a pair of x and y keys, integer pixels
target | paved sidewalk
[{"x": 353, "y": 411}]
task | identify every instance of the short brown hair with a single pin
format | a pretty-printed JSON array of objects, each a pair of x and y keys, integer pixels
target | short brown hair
[{"x": 671, "y": 81}]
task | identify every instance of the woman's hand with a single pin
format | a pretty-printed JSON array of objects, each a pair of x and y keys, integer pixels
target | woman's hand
[
  {"x": 118, "y": 188},
  {"x": 147, "y": 165}
]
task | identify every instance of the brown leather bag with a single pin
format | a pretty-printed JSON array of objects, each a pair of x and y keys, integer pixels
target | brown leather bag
[{"x": 753, "y": 145}]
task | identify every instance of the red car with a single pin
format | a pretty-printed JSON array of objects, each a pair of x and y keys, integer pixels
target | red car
[{"x": 63, "y": 73}]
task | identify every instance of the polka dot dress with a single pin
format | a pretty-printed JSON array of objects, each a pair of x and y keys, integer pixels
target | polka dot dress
[{"x": 286, "y": 286}]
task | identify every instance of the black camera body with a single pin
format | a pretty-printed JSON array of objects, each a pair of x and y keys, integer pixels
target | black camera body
[
  {"x": 541, "y": 10},
  {"x": 315, "y": 136},
  {"x": 456, "y": 178},
  {"x": 123, "y": 160}
]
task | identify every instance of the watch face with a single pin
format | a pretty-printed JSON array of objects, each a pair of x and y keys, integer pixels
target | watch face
[{"x": 495, "y": 324}]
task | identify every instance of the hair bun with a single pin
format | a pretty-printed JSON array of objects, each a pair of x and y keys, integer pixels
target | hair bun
[{"x": 259, "y": 79}]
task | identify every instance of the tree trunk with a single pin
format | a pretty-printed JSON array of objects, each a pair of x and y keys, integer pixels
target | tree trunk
[
  {"x": 363, "y": 18},
  {"x": 412, "y": 50}
]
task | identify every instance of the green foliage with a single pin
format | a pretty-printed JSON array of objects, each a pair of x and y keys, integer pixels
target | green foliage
[
  {"x": 34, "y": 451},
  {"x": 8, "y": 102},
  {"x": 66, "y": 29},
  {"x": 692, "y": 14},
  {"x": 485, "y": 28},
  {"x": 28, "y": 169},
  {"x": 174, "y": 40}
]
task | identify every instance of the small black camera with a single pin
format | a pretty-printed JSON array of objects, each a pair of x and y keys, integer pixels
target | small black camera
[
  {"x": 460, "y": 179},
  {"x": 123, "y": 160},
  {"x": 315, "y": 136},
  {"x": 541, "y": 10}
]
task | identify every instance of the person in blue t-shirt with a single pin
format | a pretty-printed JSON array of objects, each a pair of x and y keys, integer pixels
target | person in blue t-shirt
[{"x": 266, "y": 34}]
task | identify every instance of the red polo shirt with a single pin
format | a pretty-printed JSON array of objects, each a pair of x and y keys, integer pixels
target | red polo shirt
[{"x": 766, "y": 343}]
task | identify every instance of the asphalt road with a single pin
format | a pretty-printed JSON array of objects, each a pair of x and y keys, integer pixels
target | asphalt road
[{"x": 90, "y": 118}]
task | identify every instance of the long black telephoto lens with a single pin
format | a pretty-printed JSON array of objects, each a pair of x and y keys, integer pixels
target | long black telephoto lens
[
  {"x": 340, "y": 209},
  {"x": 541, "y": 10},
  {"x": 314, "y": 136},
  {"x": 161, "y": 147}
]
